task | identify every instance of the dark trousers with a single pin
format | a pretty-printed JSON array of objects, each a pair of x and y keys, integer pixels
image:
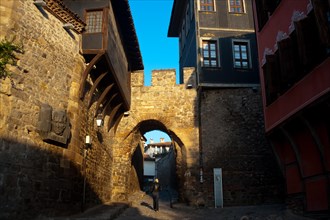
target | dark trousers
[{"x": 155, "y": 197}]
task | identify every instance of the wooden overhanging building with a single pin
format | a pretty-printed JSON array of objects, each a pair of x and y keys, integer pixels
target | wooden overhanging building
[{"x": 111, "y": 50}]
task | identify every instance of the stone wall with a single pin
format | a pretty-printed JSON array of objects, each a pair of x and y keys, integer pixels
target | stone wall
[
  {"x": 38, "y": 175},
  {"x": 233, "y": 139},
  {"x": 162, "y": 106}
]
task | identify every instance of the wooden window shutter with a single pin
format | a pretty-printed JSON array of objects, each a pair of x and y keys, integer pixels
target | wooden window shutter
[
  {"x": 321, "y": 8},
  {"x": 308, "y": 42},
  {"x": 272, "y": 78},
  {"x": 261, "y": 13},
  {"x": 288, "y": 64}
]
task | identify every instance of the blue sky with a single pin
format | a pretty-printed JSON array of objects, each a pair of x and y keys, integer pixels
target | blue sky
[
  {"x": 156, "y": 135},
  {"x": 151, "y": 20}
]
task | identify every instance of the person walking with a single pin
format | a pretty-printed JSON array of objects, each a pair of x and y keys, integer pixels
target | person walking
[{"x": 155, "y": 194}]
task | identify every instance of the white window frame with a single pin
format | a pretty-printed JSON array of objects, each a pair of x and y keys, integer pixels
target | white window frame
[
  {"x": 201, "y": 52},
  {"x": 244, "y": 9},
  {"x": 214, "y": 9},
  {"x": 248, "y": 52}
]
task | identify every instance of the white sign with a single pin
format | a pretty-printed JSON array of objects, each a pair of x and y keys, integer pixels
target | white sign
[{"x": 218, "y": 194}]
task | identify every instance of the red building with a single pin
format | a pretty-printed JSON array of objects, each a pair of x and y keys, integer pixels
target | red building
[{"x": 294, "y": 47}]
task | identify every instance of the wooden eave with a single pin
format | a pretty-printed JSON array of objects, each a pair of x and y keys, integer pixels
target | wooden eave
[
  {"x": 127, "y": 30},
  {"x": 176, "y": 17}
]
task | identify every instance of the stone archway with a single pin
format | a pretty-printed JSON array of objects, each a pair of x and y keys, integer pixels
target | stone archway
[
  {"x": 164, "y": 106},
  {"x": 179, "y": 151}
]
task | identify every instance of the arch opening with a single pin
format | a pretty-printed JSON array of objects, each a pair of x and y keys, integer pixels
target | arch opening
[{"x": 163, "y": 158}]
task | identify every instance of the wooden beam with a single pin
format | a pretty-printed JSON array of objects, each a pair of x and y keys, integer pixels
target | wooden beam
[
  {"x": 87, "y": 71},
  {"x": 102, "y": 97},
  {"x": 92, "y": 90},
  {"x": 112, "y": 115},
  {"x": 116, "y": 123},
  {"x": 105, "y": 108}
]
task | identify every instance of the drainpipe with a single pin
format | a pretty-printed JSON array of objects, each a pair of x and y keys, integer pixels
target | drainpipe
[{"x": 201, "y": 173}]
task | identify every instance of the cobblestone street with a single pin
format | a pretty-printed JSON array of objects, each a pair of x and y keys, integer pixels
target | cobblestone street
[{"x": 141, "y": 208}]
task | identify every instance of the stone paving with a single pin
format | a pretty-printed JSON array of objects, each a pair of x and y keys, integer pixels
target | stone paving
[{"x": 140, "y": 208}]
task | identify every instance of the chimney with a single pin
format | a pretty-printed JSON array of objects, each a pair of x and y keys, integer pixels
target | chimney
[
  {"x": 162, "y": 140},
  {"x": 151, "y": 141}
]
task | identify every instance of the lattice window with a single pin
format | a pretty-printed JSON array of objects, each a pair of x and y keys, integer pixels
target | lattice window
[
  {"x": 94, "y": 21},
  {"x": 207, "y": 5},
  {"x": 210, "y": 53},
  {"x": 236, "y": 6}
]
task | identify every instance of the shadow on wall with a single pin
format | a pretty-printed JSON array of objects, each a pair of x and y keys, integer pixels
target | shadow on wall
[{"x": 36, "y": 182}]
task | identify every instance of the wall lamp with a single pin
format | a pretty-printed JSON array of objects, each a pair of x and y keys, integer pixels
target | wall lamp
[
  {"x": 88, "y": 140},
  {"x": 189, "y": 86},
  {"x": 99, "y": 117},
  {"x": 40, "y": 3},
  {"x": 99, "y": 120}
]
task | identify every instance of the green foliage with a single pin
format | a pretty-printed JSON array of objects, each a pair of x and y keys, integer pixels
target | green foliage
[{"x": 7, "y": 55}]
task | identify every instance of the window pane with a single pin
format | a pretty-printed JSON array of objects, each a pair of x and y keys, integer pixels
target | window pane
[
  {"x": 237, "y": 64},
  {"x": 241, "y": 59},
  {"x": 236, "y": 6},
  {"x": 94, "y": 21},
  {"x": 213, "y": 54},
  {"x": 205, "y": 46},
  {"x": 207, "y": 5},
  {"x": 209, "y": 53}
]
